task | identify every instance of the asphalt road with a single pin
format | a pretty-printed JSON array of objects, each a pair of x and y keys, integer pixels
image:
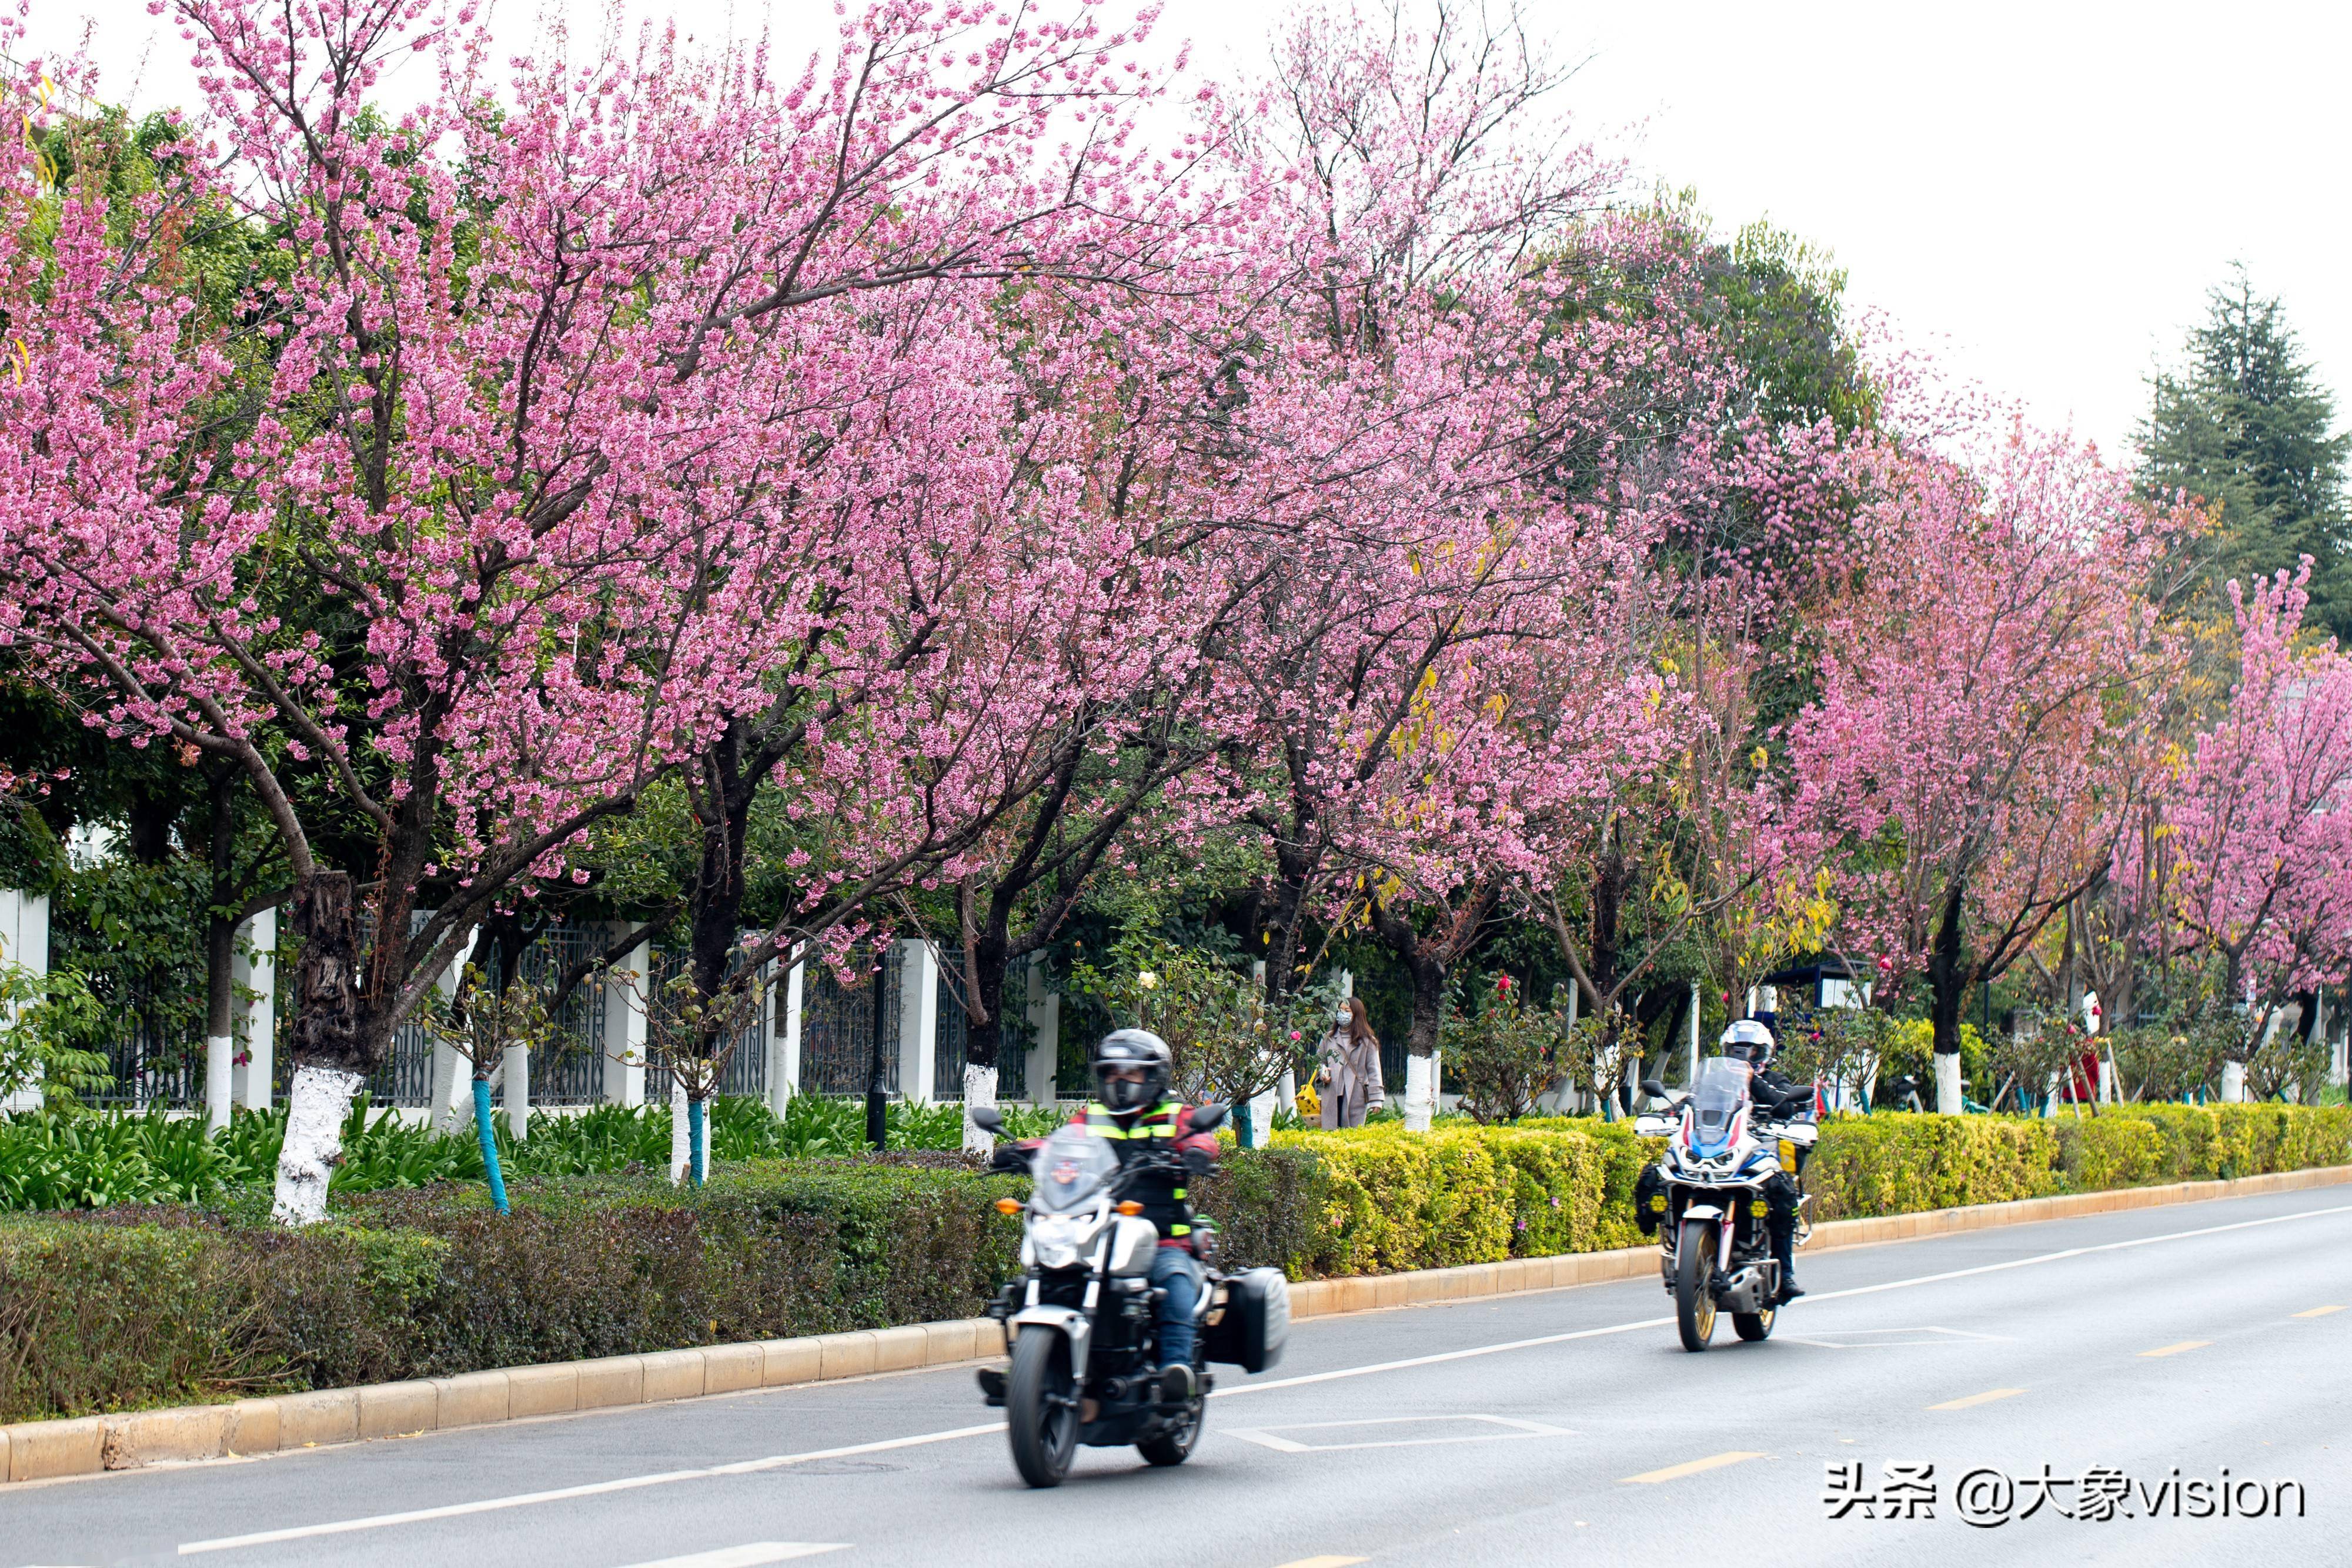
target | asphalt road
[{"x": 1564, "y": 1425}]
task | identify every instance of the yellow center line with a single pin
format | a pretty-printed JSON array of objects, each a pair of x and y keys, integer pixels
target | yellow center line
[
  {"x": 2319, "y": 1311},
  {"x": 1987, "y": 1397},
  {"x": 1676, "y": 1472},
  {"x": 1324, "y": 1563},
  {"x": 2177, "y": 1349}
]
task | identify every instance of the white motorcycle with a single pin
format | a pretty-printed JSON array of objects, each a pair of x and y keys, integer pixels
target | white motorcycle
[{"x": 1713, "y": 1235}]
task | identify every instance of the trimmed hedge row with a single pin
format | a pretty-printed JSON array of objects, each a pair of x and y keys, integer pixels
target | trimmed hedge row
[
  {"x": 1898, "y": 1163},
  {"x": 1466, "y": 1194},
  {"x": 121, "y": 1308}
]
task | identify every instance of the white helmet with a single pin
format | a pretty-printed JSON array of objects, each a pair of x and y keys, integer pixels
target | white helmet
[{"x": 1750, "y": 1042}]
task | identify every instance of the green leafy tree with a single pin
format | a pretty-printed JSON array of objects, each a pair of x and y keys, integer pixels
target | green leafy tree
[
  {"x": 2245, "y": 425},
  {"x": 1508, "y": 1053}
]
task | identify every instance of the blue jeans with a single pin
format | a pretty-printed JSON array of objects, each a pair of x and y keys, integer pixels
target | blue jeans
[{"x": 1172, "y": 1271}]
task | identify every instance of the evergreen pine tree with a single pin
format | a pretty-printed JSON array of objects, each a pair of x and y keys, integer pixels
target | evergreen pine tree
[{"x": 2246, "y": 426}]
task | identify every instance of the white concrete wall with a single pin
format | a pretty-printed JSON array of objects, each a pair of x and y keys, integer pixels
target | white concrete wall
[
  {"x": 24, "y": 939},
  {"x": 783, "y": 1011},
  {"x": 1044, "y": 1010},
  {"x": 253, "y": 967},
  {"x": 919, "y": 1020},
  {"x": 627, "y": 987}
]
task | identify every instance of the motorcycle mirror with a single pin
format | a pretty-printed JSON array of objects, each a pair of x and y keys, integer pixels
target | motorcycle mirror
[
  {"x": 1654, "y": 1088},
  {"x": 1209, "y": 1118},
  {"x": 987, "y": 1119}
]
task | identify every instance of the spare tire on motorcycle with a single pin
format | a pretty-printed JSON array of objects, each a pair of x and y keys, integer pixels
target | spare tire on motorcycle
[{"x": 1249, "y": 1330}]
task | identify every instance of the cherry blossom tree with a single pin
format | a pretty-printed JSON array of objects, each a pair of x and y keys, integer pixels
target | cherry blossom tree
[
  {"x": 2256, "y": 863},
  {"x": 424, "y": 536},
  {"x": 1985, "y": 665}
]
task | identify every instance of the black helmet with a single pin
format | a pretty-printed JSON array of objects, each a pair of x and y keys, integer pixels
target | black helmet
[
  {"x": 1130, "y": 1048},
  {"x": 1750, "y": 1042}
]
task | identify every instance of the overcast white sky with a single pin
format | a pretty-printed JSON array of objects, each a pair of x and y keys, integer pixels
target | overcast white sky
[{"x": 2037, "y": 192}]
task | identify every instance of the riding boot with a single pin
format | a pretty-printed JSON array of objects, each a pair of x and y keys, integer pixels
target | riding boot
[
  {"x": 1784, "y": 1251},
  {"x": 1177, "y": 1384}
]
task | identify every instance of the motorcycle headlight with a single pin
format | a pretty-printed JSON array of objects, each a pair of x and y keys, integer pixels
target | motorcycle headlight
[{"x": 1059, "y": 1239}]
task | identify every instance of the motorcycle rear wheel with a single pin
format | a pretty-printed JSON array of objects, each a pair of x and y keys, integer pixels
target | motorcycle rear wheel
[
  {"x": 1176, "y": 1446},
  {"x": 1041, "y": 1407},
  {"x": 1694, "y": 1272},
  {"x": 1754, "y": 1327}
]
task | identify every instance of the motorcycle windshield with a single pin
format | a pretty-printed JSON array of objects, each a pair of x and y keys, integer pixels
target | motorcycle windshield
[
  {"x": 1070, "y": 1169},
  {"x": 1722, "y": 1089}
]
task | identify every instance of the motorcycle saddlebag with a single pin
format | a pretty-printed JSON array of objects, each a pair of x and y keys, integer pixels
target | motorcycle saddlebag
[{"x": 1250, "y": 1332}]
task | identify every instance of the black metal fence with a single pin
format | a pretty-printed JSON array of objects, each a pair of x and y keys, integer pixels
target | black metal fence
[
  {"x": 951, "y": 1029},
  {"x": 746, "y": 1069},
  {"x": 150, "y": 1067},
  {"x": 572, "y": 1073},
  {"x": 838, "y": 1027}
]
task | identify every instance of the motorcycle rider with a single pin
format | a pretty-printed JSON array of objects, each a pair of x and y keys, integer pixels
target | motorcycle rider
[
  {"x": 1132, "y": 1068},
  {"x": 1749, "y": 1041}
]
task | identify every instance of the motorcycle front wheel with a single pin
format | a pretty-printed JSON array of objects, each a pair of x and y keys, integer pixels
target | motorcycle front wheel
[
  {"x": 1041, "y": 1407},
  {"x": 1694, "y": 1272}
]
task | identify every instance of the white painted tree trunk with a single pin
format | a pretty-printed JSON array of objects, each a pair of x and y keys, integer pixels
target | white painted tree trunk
[
  {"x": 315, "y": 1108},
  {"x": 979, "y": 1088},
  {"x": 680, "y": 1147},
  {"x": 1948, "y": 1083},
  {"x": 1419, "y": 1091},
  {"x": 218, "y": 1066},
  {"x": 517, "y": 1060},
  {"x": 2233, "y": 1083}
]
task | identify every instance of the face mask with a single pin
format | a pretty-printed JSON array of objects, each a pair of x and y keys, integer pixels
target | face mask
[{"x": 1341, "y": 1017}]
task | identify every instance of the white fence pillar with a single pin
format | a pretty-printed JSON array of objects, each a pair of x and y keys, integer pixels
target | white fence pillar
[
  {"x": 450, "y": 1101},
  {"x": 919, "y": 1020},
  {"x": 2322, "y": 1030},
  {"x": 1045, "y": 1011},
  {"x": 24, "y": 939},
  {"x": 253, "y": 968},
  {"x": 518, "y": 1063},
  {"x": 626, "y": 998},
  {"x": 784, "y": 1041},
  {"x": 1694, "y": 1033}
]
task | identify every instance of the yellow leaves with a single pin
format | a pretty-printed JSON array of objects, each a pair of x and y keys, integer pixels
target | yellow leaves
[
  {"x": 43, "y": 164},
  {"x": 1759, "y": 758}
]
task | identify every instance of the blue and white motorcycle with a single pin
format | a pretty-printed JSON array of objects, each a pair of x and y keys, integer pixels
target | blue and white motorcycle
[{"x": 1708, "y": 1200}]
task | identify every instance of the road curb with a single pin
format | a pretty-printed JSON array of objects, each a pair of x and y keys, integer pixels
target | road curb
[{"x": 43, "y": 1450}]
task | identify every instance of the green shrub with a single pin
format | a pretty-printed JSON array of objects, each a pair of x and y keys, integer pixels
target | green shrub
[{"x": 1462, "y": 1193}]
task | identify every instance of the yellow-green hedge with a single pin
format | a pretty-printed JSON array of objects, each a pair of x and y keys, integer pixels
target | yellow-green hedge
[
  {"x": 1466, "y": 1194},
  {"x": 1471, "y": 1194}
]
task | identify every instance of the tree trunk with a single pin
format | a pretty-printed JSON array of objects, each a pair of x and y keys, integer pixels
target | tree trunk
[
  {"x": 328, "y": 1045},
  {"x": 985, "y": 966},
  {"x": 1426, "y": 964},
  {"x": 220, "y": 951},
  {"x": 877, "y": 1073},
  {"x": 1948, "y": 983},
  {"x": 716, "y": 917}
]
